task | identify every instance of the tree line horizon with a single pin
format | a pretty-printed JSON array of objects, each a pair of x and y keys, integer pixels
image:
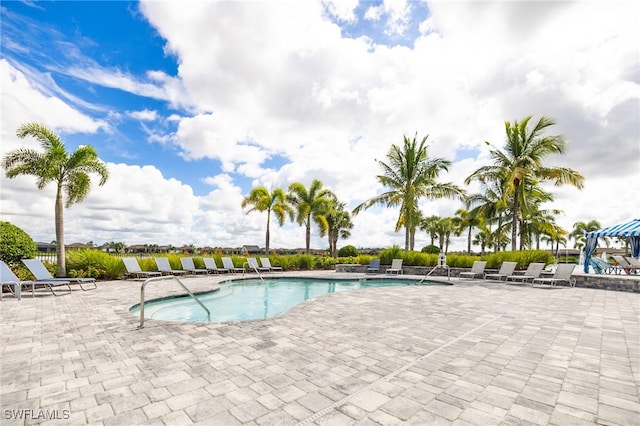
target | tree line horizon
[{"x": 508, "y": 210}]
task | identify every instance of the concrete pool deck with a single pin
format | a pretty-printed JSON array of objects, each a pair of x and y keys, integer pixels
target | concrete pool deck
[{"x": 475, "y": 353}]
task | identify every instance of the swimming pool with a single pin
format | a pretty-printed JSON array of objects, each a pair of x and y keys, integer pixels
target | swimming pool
[{"x": 253, "y": 299}]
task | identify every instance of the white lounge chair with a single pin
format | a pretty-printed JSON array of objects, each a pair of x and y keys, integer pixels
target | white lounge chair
[
  {"x": 189, "y": 266},
  {"x": 227, "y": 262},
  {"x": 533, "y": 271},
  {"x": 9, "y": 279},
  {"x": 37, "y": 268},
  {"x": 252, "y": 265},
  {"x": 506, "y": 269},
  {"x": 562, "y": 274},
  {"x": 396, "y": 267},
  {"x": 210, "y": 264},
  {"x": 476, "y": 269},
  {"x": 133, "y": 269},
  {"x": 165, "y": 268},
  {"x": 267, "y": 264}
]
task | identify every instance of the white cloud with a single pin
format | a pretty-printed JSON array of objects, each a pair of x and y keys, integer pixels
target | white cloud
[
  {"x": 398, "y": 13},
  {"x": 342, "y": 9},
  {"x": 277, "y": 79},
  {"x": 22, "y": 102},
  {"x": 144, "y": 115}
]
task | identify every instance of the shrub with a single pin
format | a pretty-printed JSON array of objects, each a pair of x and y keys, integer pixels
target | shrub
[
  {"x": 15, "y": 244},
  {"x": 94, "y": 264},
  {"x": 304, "y": 261},
  {"x": 388, "y": 254},
  {"x": 431, "y": 249},
  {"x": 348, "y": 251}
]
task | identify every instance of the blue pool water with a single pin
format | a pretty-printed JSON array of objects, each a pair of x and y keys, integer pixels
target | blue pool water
[{"x": 253, "y": 299}]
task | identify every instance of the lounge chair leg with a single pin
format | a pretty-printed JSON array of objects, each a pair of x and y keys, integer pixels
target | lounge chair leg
[
  {"x": 95, "y": 286},
  {"x": 54, "y": 293}
]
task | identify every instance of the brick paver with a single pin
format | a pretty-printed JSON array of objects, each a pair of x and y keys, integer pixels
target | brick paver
[{"x": 473, "y": 353}]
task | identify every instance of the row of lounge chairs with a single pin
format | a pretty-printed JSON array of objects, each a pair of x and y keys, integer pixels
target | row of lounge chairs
[
  {"x": 628, "y": 265},
  {"x": 395, "y": 268},
  {"x": 188, "y": 267},
  {"x": 43, "y": 278},
  {"x": 507, "y": 273}
]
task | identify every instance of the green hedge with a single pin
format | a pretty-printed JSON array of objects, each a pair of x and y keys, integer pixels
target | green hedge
[{"x": 101, "y": 265}]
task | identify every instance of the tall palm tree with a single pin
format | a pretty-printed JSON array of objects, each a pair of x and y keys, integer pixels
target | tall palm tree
[
  {"x": 581, "y": 228},
  {"x": 261, "y": 200},
  {"x": 69, "y": 172},
  {"x": 521, "y": 159},
  {"x": 339, "y": 225},
  {"x": 411, "y": 175},
  {"x": 310, "y": 205}
]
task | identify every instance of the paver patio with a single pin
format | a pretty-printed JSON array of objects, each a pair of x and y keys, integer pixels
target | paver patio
[{"x": 474, "y": 353}]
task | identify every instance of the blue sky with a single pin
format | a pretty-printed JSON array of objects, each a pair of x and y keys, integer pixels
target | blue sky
[{"x": 192, "y": 104}]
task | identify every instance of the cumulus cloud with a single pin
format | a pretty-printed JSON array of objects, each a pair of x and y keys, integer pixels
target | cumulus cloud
[
  {"x": 397, "y": 12},
  {"x": 280, "y": 80}
]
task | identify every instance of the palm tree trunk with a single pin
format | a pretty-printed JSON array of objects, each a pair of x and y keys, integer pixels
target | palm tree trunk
[
  {"x": 266, "y": 243},
  {"x": 469, "y": 241},
  {"x": 407, "y": 234},
  {"x": 308, "y": 236},
  {"x": 514, "y": 223},
  {"x": 412, "y": 240},
  {"x": 334, "y": 244},
  {"x": 60, "y": 253}
]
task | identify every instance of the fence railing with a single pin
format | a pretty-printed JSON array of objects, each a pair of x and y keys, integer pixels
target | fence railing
[
  {"x": 51, "y": 257},
  {"x": 47, "y": 257}
]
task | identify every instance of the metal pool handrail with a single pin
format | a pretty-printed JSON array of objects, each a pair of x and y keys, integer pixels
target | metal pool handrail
[
  {"x": 255, "y": 268},
  {"x": 434, "y": 268},
  {"x": 166, "y": 277}
]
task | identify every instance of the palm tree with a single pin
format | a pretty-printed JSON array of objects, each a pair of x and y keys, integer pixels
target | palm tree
[
  {"x": 429, "y": 225},
  {"x": 444, "y": 227},
  {"x": 70, "y": 173},
  {"x": 483, "y": 238},
  {"x": 339, "y": 225},
  {"x": 465, "y": 221},
  {"x": 500, "y": 238},
  {"x": 581, "y": 228},
  {"x": 310, "y": 205},
  {"x": 262, "y": 200},
  {"x": 521, "y": 161},
  {"x": 411, "y": 175},
  {"x": 556, "y": 235}
]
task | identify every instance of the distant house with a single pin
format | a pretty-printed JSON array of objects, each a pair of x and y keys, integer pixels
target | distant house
[
  {"x": 137, "y": 248},
  {"x": 78, "y": 246},
  {"x": 247, "y": 249},
  {"x": 45, "y": 247}
]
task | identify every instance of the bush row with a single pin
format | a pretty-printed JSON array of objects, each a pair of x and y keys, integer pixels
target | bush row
[
  {"x": 101, "y": 265},
  {"x": 494, "y": 260}
]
